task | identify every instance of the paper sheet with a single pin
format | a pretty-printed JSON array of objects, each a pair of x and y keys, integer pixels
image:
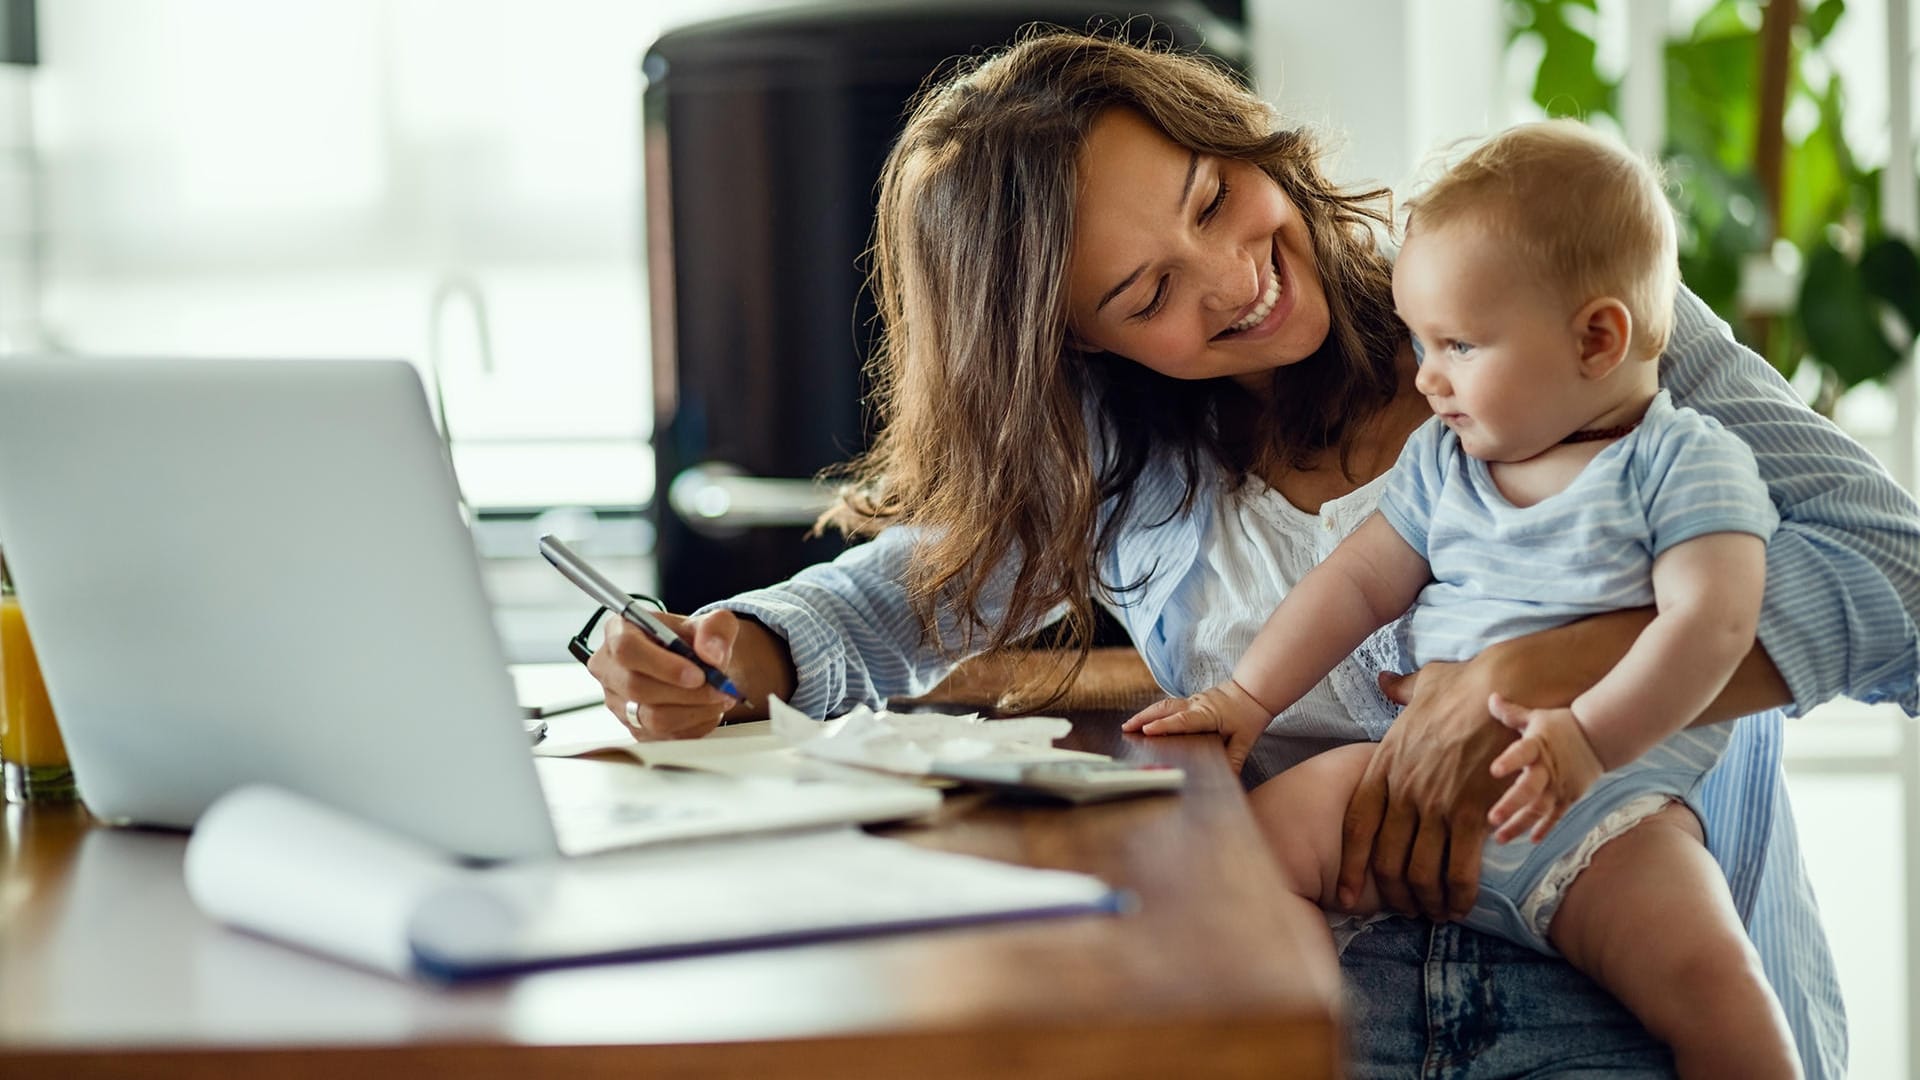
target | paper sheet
[
  {"x": 587, "y": 731},
  {"x": 555, "y": 688},
  {"x": 728, "y": 894},
  {"x": 286, "y": 867},
  {"x": 593, "y": 731},
  {"x": 282, "y": 866},
  {"x": 863, "y": 746},
  {"x": 603, "y": 805},
  {"x": 910, "y": 743}
]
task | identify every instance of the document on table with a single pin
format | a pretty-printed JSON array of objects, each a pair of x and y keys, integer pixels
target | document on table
[
  {"x": 554, "y": 689},
  {"x": 863, "y": 746},
  {"x": 285, "y": 867},
  {"x": 600, "y": 806}
]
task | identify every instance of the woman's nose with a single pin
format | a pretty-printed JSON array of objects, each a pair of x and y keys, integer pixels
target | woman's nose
[{"x": 1233, "y": 281}]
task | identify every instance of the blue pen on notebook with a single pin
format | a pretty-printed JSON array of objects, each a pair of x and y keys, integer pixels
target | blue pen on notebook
[{"x": 596, "y": 585}]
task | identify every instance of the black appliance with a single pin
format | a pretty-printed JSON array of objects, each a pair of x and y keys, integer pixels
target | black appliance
[{"x": 764, "y": 136}]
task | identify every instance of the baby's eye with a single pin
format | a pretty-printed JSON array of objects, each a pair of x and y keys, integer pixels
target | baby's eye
[{"x": 1459, "y": 348}]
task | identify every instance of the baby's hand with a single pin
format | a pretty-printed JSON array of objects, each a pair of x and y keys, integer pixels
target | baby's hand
[
  {"x": 1556, "y": 764},
  {"x": 1226, "y": 709}
]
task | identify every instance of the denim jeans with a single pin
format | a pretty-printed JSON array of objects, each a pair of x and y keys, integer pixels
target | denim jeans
[{"x": 1443, "y": 1002}]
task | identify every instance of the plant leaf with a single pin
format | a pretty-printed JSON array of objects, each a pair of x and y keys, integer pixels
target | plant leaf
[
  {"x": 1728, "y": 17},
  {"x": 1567, "y": 83},
  {"x": 1814, "y": 188},
  {"x": 1710, "y": 106},
  {"x": 1821, "y": 19},
  {"x": 1890, "y": 270},
  {"x": 1842, "y": 320}
]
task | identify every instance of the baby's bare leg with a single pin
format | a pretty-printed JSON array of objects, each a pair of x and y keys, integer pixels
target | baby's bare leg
[
  {"x": 1301, "y": 812},
  {"x": 1651, "y": 920}
]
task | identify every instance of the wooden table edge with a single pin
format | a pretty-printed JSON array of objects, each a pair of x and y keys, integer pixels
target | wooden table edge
[{"x": 1251, "y": 1046}]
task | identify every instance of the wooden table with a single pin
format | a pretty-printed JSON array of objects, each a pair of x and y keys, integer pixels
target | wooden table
[{"x": 107, "y": 969}]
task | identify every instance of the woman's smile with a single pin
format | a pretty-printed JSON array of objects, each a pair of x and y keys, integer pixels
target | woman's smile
[{"x": 1264, "y": 315}]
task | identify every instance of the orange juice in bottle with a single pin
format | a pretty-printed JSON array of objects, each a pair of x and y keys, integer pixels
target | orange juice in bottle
[{"x": 35, "y": 760}]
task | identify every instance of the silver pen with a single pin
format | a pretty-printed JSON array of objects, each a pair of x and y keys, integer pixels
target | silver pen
[{"x": 613, "y": 598}]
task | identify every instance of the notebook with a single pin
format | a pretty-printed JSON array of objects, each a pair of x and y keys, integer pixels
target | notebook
[
  {"x": 287, "y": 868},
  {"x": 243, "y": 571}
]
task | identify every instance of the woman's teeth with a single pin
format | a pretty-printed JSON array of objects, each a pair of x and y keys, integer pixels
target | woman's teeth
[{"x": 1262, "y": 309}]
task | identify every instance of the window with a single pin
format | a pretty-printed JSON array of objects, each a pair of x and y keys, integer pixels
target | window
[{"x": 455, "y": 182}]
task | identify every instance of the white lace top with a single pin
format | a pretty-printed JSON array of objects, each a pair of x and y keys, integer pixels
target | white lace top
[{"x": 1254, "y": 548}]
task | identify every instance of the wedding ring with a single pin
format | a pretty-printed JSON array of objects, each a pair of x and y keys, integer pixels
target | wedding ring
[{"x": 633, "y": 715}]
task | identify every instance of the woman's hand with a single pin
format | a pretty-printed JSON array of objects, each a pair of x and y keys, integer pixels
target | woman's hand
[
  {"x": 1556, "y": 764},
  {"x": 1423, "y": 844},
  {"x": 1419, "y": 816},
  {"x": 662, "y": 696},
  {"x": 1227, "y": 709}
]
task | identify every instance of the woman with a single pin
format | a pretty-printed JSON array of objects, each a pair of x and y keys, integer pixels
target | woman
[{"x": 1139, "y": 352}]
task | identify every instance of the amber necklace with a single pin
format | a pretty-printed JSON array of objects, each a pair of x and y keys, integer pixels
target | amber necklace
[{"x": 1598, "y": 433}]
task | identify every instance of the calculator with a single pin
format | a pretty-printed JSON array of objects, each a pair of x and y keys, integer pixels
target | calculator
[{"x": 1081, "y": 781}]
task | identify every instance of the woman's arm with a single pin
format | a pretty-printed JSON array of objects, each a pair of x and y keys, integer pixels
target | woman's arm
[
  {"x": 1707, "y": 595},
  {"x": 851, "y": 632},
  {"x": 1557, "y": 665},
  {"x": 1423, "y": 846},
  {"x": 834, "y": 635},
  {"x": 1842, "y": 601},
  {"x": 1113, "y": 679}
]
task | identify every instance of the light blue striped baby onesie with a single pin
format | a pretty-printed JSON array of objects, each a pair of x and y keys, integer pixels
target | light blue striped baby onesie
[{"x": 1501, "y": 571}]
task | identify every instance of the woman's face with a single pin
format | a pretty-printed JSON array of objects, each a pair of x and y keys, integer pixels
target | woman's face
[{"x": 1195, "y": 266}]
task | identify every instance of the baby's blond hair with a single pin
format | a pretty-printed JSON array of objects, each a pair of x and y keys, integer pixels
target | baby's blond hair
[{"x": 1584, "y": 213}]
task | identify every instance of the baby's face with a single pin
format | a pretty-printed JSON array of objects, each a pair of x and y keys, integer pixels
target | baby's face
[{"x": 1501, "y": 352}]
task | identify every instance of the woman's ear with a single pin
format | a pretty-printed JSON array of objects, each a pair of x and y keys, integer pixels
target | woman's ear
[{"x": 1604, "y": 329}]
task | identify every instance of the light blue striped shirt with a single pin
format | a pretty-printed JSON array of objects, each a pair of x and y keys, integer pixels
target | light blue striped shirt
[{"x": 1838, "y": 617}]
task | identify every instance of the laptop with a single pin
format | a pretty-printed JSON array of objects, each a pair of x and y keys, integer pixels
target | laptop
[{"x": 244, "y": 571}]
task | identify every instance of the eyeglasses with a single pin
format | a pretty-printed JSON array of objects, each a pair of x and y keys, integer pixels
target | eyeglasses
[{"x": 578, "y": 646}]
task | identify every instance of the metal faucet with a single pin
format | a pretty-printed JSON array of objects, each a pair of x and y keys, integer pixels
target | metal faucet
[{"x": 455, "y": 284}]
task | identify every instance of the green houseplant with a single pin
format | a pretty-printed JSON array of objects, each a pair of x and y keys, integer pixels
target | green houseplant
[{"x": 1757, "y": 158}]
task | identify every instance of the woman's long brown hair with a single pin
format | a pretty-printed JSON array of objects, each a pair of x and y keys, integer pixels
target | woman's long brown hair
[{"x": 984, "y": 403}]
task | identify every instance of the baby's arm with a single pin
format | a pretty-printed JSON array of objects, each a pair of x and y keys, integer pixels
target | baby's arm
[
  {"x": 1707, "y": 597},
  {"x": 1372, "y": 578},
  {"x": 1369, "y": 580}
]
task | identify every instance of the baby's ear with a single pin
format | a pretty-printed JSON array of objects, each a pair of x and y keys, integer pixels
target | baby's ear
[{"x": 1604, "y": 329}]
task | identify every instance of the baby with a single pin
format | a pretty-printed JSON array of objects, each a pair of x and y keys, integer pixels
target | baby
[{"x": 1555, "y": 481}]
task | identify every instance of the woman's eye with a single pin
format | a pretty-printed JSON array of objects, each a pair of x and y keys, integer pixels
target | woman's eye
[
  {"x": 1153, "y": 305},
  {"x": 1219, "y": 200}
]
